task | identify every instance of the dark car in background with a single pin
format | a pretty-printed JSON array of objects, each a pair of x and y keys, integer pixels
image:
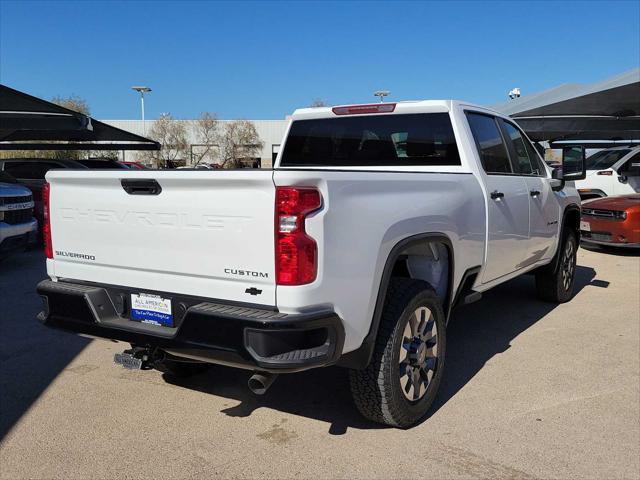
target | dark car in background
[
  {"x": 30, "y": 172},
  {"x": 103, "y": 164}
]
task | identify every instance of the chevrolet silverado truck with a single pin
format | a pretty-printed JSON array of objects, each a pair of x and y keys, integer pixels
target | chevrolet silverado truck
[
  {"x": 375, "y": 221},
  {"x": 18, "y": 228}
]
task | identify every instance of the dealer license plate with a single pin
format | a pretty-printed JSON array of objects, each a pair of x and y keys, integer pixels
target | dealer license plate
[
  {"x": 585, "y": 226},
  {"x": 152, "y": 309}
]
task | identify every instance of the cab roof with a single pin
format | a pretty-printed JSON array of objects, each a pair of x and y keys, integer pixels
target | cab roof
[{"x": 400, "y": 107}]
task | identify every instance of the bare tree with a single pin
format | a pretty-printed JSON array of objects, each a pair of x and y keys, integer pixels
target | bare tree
[
  {"x": 110, "y": 154},
  {"x": 73, "y": 102},
  {"x": 239, "y": 141},
  {"x": 172, "y": 136},
  {"x": 207, "y": 137},
  {"x": 318, "y": 102}
]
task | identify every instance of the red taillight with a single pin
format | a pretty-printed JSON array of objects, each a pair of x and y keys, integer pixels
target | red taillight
[
  {"x": 296, "y": 252},
  {"x": 360, "y": 109},
  {"x": 46, "y": 227},
  {"x": 605, "y": 172}
]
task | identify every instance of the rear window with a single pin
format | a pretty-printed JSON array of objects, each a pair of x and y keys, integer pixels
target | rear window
[{"x": 372, "y": 140}]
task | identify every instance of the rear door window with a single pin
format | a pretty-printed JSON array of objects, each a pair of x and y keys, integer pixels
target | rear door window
[
  {"x": 372, "y": 140},
  {"x": 524, "y": 159},
  {"x": 491, "y": 146}
]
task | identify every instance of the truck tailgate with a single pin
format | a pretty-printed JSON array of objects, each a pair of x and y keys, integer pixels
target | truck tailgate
[{"x": 207, "y": 233}]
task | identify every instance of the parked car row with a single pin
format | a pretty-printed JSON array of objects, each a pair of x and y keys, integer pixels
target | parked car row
[
  {"x": 610, "y": 194},
  {"x": 611, "y": 198}
]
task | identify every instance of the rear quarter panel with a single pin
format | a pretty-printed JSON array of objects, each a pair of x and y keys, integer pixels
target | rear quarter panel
[{"x": 364, "y": 215}]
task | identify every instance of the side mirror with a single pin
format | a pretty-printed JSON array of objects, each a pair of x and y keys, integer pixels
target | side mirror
[
  {"x": 574, "y": 165},
  {"x": 557, "y": 183}
]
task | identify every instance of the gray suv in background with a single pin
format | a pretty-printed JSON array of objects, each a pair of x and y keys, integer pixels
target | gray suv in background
[{"x": 18, "y": 228}]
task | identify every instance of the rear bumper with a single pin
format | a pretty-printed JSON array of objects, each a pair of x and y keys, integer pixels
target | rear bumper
[{"x": 238, "y": 336}]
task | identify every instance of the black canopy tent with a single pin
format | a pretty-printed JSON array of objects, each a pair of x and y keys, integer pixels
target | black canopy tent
[
  {"x": 606, "y": 111},
  {"x": 30, "y": 123}
]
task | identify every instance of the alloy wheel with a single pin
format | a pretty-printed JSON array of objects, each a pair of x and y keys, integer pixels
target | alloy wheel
[
  {"x": 568, "y": 265},
  {"x": 418, "y": 354}
]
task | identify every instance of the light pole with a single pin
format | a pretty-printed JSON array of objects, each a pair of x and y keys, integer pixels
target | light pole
[
  {"x": 381, "y": 94},
  {"x": 142, "y": 91}
]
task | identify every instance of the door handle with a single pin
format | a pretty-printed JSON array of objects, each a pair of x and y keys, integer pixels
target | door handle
[
  {"x": 534, "y": 193},
  {"x": 496, "y": 195}
]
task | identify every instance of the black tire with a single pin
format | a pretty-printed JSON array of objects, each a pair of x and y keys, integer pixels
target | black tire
[
  {"x": 556, "y": 285},
  {"x": 179, "y": 369},
  {"x": 377, "y": 390}
]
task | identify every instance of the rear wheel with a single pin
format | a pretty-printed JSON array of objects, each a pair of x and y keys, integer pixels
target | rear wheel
[
  {"x": 557, "y": 285},
  {"x": 401, "y": 381}
]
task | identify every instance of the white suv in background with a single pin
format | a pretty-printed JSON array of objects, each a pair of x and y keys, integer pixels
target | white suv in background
[{"x": 613, "y": 171}]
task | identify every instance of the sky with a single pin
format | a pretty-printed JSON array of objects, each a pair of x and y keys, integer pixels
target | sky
[{"x": 262, "y": 60}]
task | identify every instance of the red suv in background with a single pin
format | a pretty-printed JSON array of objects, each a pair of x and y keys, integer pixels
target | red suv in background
[{"x": 612, "y": 221}]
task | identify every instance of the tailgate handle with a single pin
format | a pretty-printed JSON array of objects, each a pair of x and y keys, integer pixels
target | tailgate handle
[{"x": 141, "y": 187}]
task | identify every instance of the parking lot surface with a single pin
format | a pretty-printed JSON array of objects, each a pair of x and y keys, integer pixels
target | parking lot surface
[{"x": 531, "y": 390}]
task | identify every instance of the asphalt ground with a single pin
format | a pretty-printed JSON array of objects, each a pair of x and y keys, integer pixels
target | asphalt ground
[{"x": 531, "y": 390}]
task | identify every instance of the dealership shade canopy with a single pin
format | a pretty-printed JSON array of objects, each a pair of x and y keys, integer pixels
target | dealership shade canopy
[
  {"x": 29, "y": 123},
  {"x": 607, "y": 110}
]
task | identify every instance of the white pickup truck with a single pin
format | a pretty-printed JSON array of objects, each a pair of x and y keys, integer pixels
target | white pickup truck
[{"x": 375, "y": 221}]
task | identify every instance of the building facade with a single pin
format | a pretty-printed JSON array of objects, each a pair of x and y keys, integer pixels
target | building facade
[{"x": 271, "y": 133}]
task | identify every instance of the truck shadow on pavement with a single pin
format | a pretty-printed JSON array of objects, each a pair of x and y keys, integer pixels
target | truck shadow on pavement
[
  {"x": 31, "y": 355},
  {"x": 613, "y": 251},
  {"x": 476, "y": 333}
]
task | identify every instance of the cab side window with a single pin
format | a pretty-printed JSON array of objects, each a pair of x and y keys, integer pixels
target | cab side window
[
  {"x": 491, "y": 146},
  {"x": 525, "y": 160}
]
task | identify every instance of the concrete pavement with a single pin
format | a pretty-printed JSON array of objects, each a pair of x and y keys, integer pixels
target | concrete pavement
[{"x": 531, "y": 390}]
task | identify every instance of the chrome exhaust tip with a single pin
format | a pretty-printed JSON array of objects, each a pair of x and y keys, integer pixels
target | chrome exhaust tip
[{"x": 260, "y": 382}]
